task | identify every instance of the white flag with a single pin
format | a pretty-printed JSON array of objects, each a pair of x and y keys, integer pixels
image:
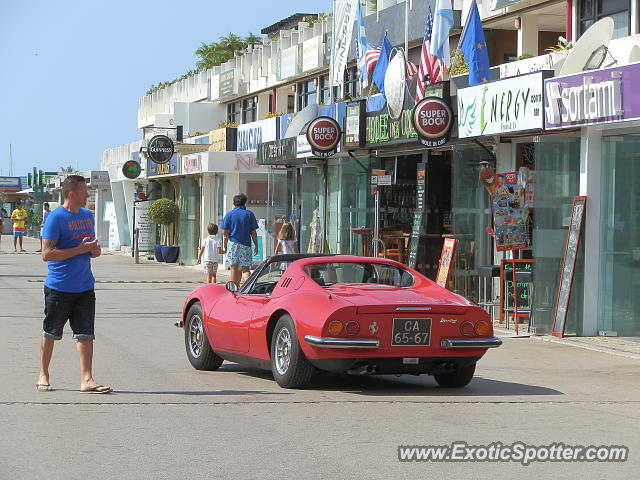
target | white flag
[{"x": 343, "y": 18}]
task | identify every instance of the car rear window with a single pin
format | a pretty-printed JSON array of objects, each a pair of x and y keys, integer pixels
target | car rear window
[{"x": 326, "y": 274}]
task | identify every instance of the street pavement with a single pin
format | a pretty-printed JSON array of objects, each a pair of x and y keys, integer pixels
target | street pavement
[{"x": 166, "y": 420}]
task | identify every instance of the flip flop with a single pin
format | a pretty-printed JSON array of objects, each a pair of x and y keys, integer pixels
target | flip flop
[
  {"x": 47, "y": 387},
  {"x": 98, "y": 389}
]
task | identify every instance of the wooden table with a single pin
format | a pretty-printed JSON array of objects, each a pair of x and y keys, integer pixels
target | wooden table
[
  {"x": 365, "y": 239},
  {"x": 401, "y": 243}
]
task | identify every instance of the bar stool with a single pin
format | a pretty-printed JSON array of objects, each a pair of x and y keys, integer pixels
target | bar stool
[{"x": 487, "y": 274}]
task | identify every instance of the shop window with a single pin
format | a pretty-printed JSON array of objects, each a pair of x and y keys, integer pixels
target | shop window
[
  {"x": 351, "y": 82},
  {"x": 306, "y": 93},
  {"x": 291, "y": 104},
  {"x": 233, "y": 112},
  {"x": 249, "y": 107},
  {"x": 590, "y": 11},
  {"x": 257, "y": 192},
  {"x": 324, "y": 89}
]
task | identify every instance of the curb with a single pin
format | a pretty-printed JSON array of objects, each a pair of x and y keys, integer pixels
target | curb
[{"x": 503, "y": 333}]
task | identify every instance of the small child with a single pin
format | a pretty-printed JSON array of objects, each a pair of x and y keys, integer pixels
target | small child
[
  {"x": 210, "y": 253},
  {"x": 286, "y": 243}
]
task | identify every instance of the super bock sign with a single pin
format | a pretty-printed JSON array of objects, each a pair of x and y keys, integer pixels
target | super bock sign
[
  {"x": 323, "y": 134},
  {"x": 432, "y": 120}
]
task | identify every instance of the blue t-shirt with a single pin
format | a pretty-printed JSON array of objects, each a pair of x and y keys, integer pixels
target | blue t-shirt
[
  {"x": 72, "y": 275},
  {"x": 240, "y": 222}
]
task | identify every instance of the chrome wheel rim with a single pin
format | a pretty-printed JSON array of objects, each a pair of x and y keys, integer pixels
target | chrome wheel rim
[
  {"x": 283, "y": 351},
  {"x": 196, "y": 336}
]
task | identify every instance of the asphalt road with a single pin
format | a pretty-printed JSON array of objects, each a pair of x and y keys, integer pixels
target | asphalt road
[{"x": 166, "y": 420}]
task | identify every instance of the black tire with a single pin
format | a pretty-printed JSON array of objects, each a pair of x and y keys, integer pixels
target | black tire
[
  {"x": 290, "y": 367},
  {"x": 460, "y": 378},
  {"x": 196, "y": 343}
]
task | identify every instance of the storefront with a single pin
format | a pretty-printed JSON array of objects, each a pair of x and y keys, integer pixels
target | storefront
[{"x": 604, "y": 166}]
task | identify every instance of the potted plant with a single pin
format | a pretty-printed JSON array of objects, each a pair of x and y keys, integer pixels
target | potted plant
[{"x": 165, "y": 212}]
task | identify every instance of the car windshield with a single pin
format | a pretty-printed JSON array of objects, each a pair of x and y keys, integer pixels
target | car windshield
[{"x": 326, "y": 274}]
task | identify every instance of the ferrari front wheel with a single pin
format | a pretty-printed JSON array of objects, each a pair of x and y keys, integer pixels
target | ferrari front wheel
[
  {"x": 290, "y": 367},
  {"x": 199, "y": 351},
  {"x": 456, "y": 379}
]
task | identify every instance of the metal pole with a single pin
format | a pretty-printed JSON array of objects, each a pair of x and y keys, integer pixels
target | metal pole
[
  {"x": 136, "y": 236},
  {"x": 10, "y": 162},
  {"x": 333, "y": 46},
  {"x": 406, "y": 28}
]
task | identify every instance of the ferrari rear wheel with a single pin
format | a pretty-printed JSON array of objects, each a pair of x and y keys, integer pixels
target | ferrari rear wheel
[
  {"x": 459, "y": 378},
  {"x": 290, "y": 367},
  {"x": 199, "y": 351}
]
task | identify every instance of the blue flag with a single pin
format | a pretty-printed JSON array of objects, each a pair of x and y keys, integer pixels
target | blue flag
[
  {"x": 381, "y": 66},
  {"x": 361, "y": 51},
  {"x": 474, "y": 48}
]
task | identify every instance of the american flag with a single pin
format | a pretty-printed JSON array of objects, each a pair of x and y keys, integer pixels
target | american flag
[
  {"x": 371, "y": 57},
  {"x": 412, "y": 69},
  {"x": 430, "y": 69}
]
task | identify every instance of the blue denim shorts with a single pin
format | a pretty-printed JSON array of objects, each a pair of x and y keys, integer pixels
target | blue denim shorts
[
  {"x": 78, "y": 308},
  {"x": 238, "y": 254}
]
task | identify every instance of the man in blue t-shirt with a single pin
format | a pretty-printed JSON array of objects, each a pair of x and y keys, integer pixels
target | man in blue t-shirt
[
  {"x": 239, "y": 228},
  {"x": 68, "y": 245}
]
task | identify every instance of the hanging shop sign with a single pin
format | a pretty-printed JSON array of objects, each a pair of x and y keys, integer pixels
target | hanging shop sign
[
  {"x": 594, "y": 97},
  {"x": 432, "y": 119},
  {"x": 505, "y": 106},
  {"x": 354, "y": 124},
  {"x": 323, "y": 134},
  {"x": 131, "y": 169},
  {"x": 160, "y": 149},
  {"x": 158, "y": 169},
  {"x": 278, "y": 152}
]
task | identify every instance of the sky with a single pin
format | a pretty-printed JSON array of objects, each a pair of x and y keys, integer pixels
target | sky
[{"x": 72, "y": 71}]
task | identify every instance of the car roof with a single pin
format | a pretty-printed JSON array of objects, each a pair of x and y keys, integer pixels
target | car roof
[{"x": 292, "y": 257}]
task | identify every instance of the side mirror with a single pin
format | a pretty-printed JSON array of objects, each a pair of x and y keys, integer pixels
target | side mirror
[{"x": 232, "y": 287}]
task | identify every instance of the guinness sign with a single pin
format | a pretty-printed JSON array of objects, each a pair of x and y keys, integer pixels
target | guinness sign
[{"x": 160, "y": 149}]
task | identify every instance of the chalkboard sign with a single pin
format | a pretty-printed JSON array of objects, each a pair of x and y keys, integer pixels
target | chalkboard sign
[
  {"x": 568, "y": 265},
  {"x": 523, "y": 288},
  {"x": 419, "y": 217}
]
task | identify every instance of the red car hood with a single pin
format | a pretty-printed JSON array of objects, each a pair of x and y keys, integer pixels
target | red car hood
[{"x": 380, "y": 298}]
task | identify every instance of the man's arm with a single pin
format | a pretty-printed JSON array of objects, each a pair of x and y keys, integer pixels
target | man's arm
[
  {"x": 225, "y": 239},
  {"x": 52, "y": 254},
  {"x": 254, "y": 237}
]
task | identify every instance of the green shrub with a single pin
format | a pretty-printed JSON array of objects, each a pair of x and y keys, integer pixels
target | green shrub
[{"x": 165, "y": 212}]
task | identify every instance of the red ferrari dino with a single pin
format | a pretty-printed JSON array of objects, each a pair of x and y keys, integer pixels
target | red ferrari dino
[{"x": 357, "y": 315}]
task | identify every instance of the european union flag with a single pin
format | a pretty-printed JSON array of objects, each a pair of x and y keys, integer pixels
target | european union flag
[
  {"x": 381, "y": 66},
  {"x": 474, "y": 48}
]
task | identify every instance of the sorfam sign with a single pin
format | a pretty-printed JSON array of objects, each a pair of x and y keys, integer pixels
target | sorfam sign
[
  {"x": 504, "y": 106},
  {"x": 601, "y": 96}
]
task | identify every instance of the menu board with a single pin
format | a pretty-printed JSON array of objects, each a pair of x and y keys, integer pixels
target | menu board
[
  {"x": 419, "y": 215},
  {"x": 522, "y": 303},
  {"x": 444, "y": 267},
  {"x": 568, "y": 266}
]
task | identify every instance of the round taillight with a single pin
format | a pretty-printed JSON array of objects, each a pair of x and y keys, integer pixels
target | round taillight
[
  {"x": 482, "y": 328},
  {"x": 352, "y": 327},
  {"x": 335, "y": 327},
  {"x": 466, "y": 329}
]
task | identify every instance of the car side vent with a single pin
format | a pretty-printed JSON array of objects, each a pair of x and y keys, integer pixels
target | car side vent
[{"x": 286, "y": 282}]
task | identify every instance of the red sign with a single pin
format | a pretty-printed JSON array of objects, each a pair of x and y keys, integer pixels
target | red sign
[
  {"x": 446, "y": 258},
  {"x": 432, "y": 119},
  {"x": 323, "y": 134}
]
